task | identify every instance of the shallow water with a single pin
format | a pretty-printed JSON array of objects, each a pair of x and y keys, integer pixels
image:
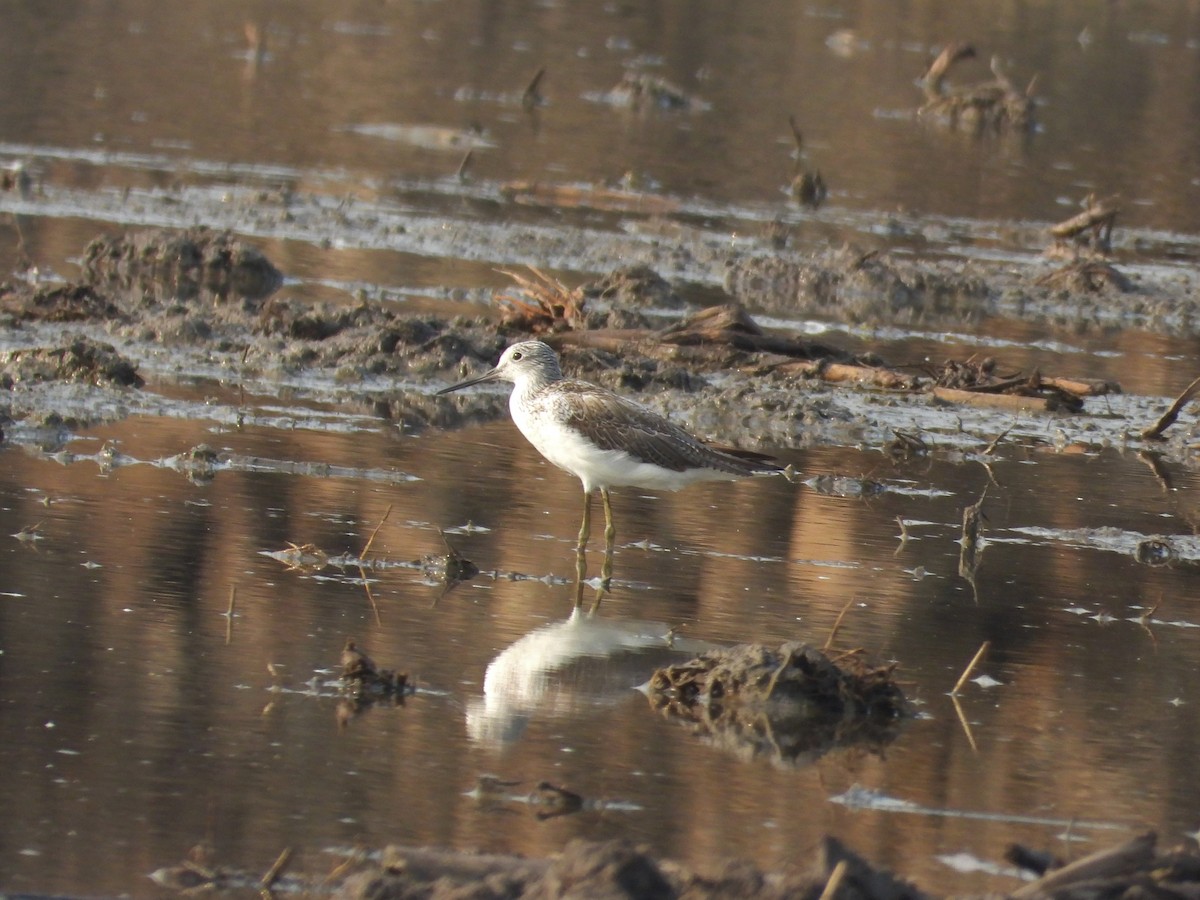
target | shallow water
[{"x": 137, "y": 718}]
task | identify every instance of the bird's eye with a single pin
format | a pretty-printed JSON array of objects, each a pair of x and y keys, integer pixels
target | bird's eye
[{"x": 517, "y": 355}]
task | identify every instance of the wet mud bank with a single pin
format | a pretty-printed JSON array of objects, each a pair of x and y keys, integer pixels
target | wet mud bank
[
  {"x": 620, "y": 869},
  {"x": 167, "y": 306}
]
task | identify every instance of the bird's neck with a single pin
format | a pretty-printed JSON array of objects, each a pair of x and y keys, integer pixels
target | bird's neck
[{"x": 531, "y": 386}]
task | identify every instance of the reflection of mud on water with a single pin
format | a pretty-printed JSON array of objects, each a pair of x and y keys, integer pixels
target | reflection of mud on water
[
  {"x": 181, "y": 264},
  {"x": 792, "y": 704}
]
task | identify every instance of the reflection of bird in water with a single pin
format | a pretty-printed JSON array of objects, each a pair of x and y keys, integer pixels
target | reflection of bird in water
[
  {"x": 603, "y": 439},
  {"x": 562, "y": 668}
]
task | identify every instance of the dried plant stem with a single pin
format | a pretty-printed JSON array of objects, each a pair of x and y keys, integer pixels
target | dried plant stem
[
  {"x": 837, "y": 623},
  {"x": 273, "y": 873},
  {"x": 229, "y": 613},
  {"x": 362, "y": 570},
  {"x": 979, "y": 654},
  {"x": 835, "y": 881}
]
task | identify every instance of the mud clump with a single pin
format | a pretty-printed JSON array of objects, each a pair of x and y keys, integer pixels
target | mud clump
[
  {"x": 790, "y": 704},
  {"x": 60, "y": 303},
  {"x": 620, "y": 869},
  {"x": 610, "y": 869},
  {"x": 860, "y": 287},
  {"x": 82, "y": 360},
  {"x": 181, "y": 264}
]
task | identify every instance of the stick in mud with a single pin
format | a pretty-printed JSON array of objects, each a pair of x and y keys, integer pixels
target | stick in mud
[
  {"x": 966, "y": 726},
  {"x": 835, "y": 881},
  {"x": 970, "y": 667},
  {"x": 273, "y": 873},
  {"x": 532, "y": 97},
  {"x": 461, "y": 174},
  {"x": 1154, "y": 433},
  {"x": 362, "y": 558},
  {"x": 837, "y": 623}
]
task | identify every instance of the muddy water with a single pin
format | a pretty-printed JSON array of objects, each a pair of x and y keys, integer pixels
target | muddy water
[{"x": 137, "y": 718}]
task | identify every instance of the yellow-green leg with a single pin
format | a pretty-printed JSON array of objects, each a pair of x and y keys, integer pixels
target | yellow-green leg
[
  {"x": 610, "y": 530},
  {"x": 580, "y": 557},
  {"x": 585, "y": 530}
]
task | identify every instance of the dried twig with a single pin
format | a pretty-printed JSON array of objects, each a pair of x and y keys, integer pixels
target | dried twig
[
  {"x": 461, "y": 174},
  {"x": 532, "y": 96},
  {"x": 966, "y": 726},
  {"x": 273, "y": 873},
  {"x": 835, "y": 880},
  {"x": 796, "y": 134},
  {"x": 979, "y": 654},
  {"x": 1154, "y": 433},
  {"x": 362, "y": 570},
  {"x": 837, "y": 623},
  {"x": 229, "y": 614}
]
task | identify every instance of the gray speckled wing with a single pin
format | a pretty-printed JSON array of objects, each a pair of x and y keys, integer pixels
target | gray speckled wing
[{"x": 613, "y": 423}]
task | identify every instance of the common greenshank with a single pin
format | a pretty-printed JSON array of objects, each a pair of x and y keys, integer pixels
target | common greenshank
[{"x": 603, "y": 439}]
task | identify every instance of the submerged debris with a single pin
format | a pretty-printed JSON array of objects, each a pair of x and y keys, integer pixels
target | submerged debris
[
  {"x": 198, "y": 874},
  {"x": 620, "y": 198},
  {"x": 181, "y": 264},
  {"x": 301, "y": 557},
  {"x": 808, "y": 187},
  {"x": 1156, "y": 551},
  {"x": 641, "y": 90},
  {"x": 618, "y": 868},
  {"x": 1090, "y": 230},
  {"x": 615, "y": 869},
  {"x": 361, "y": 674},
  {"x": 546, "y": 800},
  {"x": 785, "y": 703},
  {"x": 450, "y": 568},
  {"x": 994, "y": 104},
  {"x": 1086, "y": 276}
]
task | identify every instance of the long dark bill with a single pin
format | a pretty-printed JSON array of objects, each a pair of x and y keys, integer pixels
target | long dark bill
[{"x": 478, "y": 379}]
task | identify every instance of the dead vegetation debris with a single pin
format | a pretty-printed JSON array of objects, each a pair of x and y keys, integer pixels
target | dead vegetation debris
[
  {"x": 539, "y": 303},
  {"x": 1090, "y": 230},
  {"x": 362, "y": 676},
  {"x": 807, "y": 187},
  {"x": 1171, "y": 416},
  {"x": 642, "y": 91},
  {"x": 612, "y": 198},
  {"x": 602, "y": 322},
  {"x": 788, "y": 703},
  {"x": 1084, "y": 241},
  {"x": 977, "y": 382},
  {"x": 621, "y": 869},
  {"x": 1086, "y": 276},
  {"x": 994, "y": 104},
  {"x": 613, "y": 869}
]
